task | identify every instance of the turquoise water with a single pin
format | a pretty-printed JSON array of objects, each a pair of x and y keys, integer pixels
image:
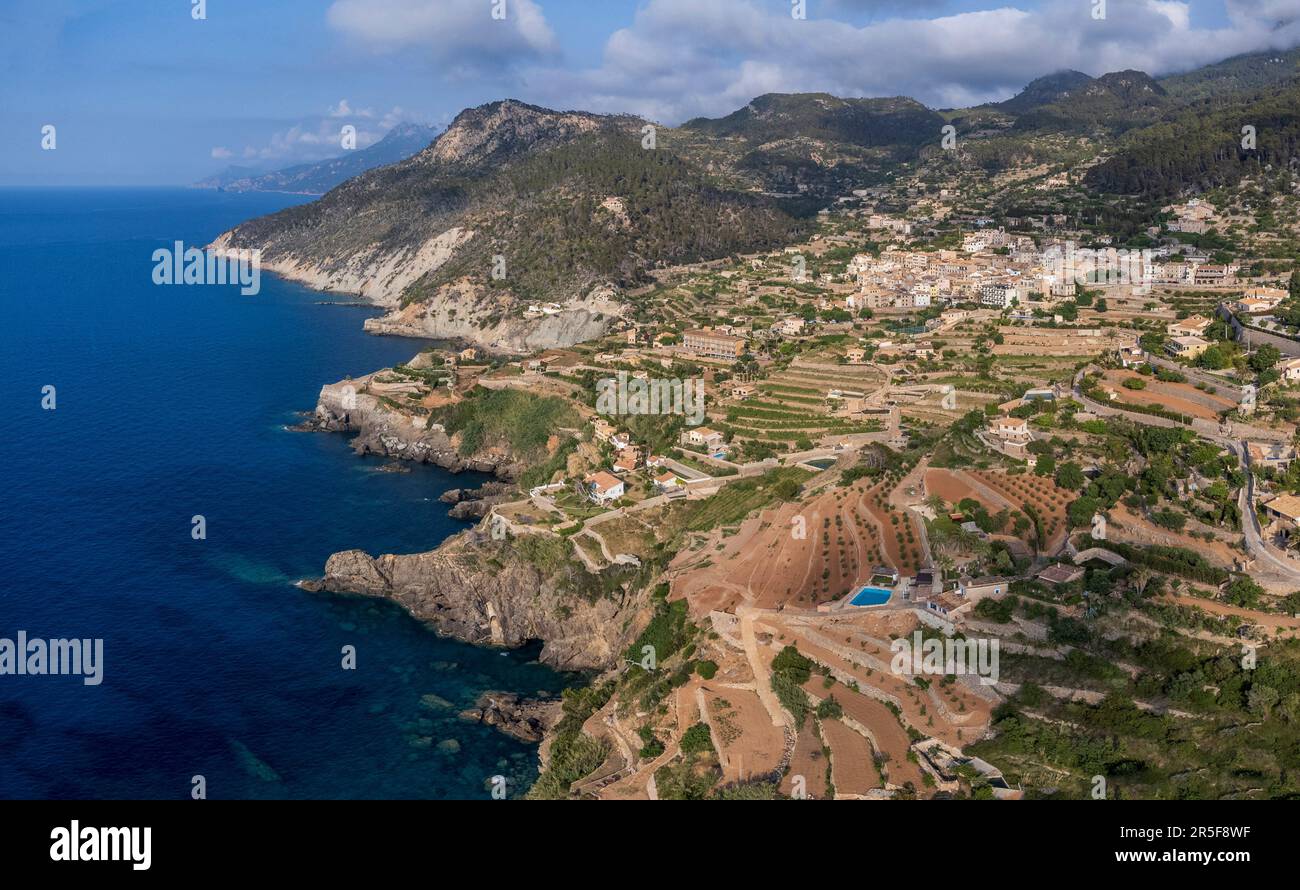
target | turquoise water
[
  {"x": 173, "y": 401},
  {"x": 871, "y": 596}
]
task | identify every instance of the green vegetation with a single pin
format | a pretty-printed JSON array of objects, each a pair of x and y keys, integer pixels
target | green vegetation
[
  {"x": 574, "y": 754},
  {"x": 696, "y": 739},
  {"x": 511, "y": 417},
  {"x": 790, "y": 671}
]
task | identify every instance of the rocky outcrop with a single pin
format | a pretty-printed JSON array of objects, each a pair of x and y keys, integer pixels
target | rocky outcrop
[
  {"x": 499, "y": 593},
  {"x": 476, "y": 503},
  {"x": 382, "y": 429},
  {"x": 525, "y": 719},
  {"x": 466, "y": 311}
]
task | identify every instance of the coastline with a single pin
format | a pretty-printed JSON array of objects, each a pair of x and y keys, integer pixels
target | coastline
[{"x": 205, "y": 641}]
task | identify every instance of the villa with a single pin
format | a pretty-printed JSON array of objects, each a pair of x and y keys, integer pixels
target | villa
[
  {"x": 702, "y": 437},
  {"x": 1192, "y": 326},
  {"x": 1013, "y": 429},
  {"x": 1284, "y": 507},
  {"x": 1131, "y": 356},
  {"x": 603, "y": 487},
  {"x": 1186, "y": 347}
]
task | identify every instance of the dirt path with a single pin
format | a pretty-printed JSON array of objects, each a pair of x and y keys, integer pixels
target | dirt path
[{"x": 760, "y": 667}]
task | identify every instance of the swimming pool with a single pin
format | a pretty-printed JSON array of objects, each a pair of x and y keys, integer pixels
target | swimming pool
[{"x": 871, "y": 596}]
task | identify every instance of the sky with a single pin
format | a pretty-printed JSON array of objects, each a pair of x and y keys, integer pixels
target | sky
[{"x": 163, "y": 92}]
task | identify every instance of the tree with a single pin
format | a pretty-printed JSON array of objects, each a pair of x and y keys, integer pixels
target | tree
[
  {"x": 1045, "y": 465},
  {"x": 1261, "y": 699},
  {"x": 1081, "y": 510},
  {"x": 1215, "y": 358},
  {"x": 1170, "y": 519},
  {"x": 787, "y": 489},
  {"x": 1243, "y": 592},
  {"x": 1264, "y": 358},
  {"x": 1070, "y": 475}
]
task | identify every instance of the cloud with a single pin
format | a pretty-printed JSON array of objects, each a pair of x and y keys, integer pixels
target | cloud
[
  {"x": 458, "y": 34},
  {"x": 682, "y": 58},
  {"x": 221, "y": 153}
]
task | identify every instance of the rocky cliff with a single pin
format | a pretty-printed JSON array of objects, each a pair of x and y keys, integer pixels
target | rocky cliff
[
  {"x": 501, "y": 593},
  {"x": 384, "y": 429},
  {"x": 466, "y": 311}
]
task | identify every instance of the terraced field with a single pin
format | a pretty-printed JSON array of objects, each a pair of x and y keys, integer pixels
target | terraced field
[
  {"x": 857, "y": 645},
  {"x": 775, "y": 421},
  {"x": 954, "y": 488},
  {"x": 898, "y": 535},
  {"x": 884, "y": 727},
  {"x": 748, "y": 744},
  {"x": 789, "y": 555},
  {"x": 791, "y": 405},
  {"x": 853, "y": 767},
  {"x": 1180, "y": 397},
  {"x": 1042, "y": 493},
  {"x": 808, "y": 761}
]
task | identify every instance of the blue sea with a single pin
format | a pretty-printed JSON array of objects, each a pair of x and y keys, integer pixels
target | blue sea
[{"x": 171, "y": 402}]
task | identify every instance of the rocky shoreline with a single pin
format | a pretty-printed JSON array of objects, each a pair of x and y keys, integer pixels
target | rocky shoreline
[
  {"x": 476, "y": 503},
  {"x": 379, "y": 430},
  {"x": 527, "y": 720},
  {"x": 489, "y": 593}
]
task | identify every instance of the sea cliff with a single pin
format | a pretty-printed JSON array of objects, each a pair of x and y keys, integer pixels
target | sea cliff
[{"x": 502, "y": 593}]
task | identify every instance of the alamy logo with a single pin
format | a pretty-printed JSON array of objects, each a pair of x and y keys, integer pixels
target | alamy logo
[
  {"x": 635, "y": 395},
  {"x": 90, "y": 844},
  {"x": 946, "y": 657},
  {"x": 76, "y": 658},
  {"x": 191, "y": 265}
]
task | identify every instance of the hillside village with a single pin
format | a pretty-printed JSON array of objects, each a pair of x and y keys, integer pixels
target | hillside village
[{"x": 954, "y": 426}]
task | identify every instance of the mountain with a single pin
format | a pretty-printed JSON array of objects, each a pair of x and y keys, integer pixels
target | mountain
[
  {"x": 1202, "y": 148},
  {"x": 870, "y": 123},
  {"x": 1113, "y": 102},
  {"x": 515, "y": 205},
  {"x": 1250, "y": 73},
  {"x": 230, "y": 176},
  {"x": 796, "y": 143},
  {"x": 400, "y": 142},
  {"x": 1045, "y": 91}
]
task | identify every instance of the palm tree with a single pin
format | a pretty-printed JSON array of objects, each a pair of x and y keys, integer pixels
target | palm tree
[{"x": 1141, "y": 578}]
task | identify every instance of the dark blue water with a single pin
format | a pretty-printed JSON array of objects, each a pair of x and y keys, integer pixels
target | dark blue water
[{"x": 172, "y": 402}]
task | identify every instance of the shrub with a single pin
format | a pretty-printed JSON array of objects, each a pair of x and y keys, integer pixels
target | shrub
[{"x": 697, "y": 739}]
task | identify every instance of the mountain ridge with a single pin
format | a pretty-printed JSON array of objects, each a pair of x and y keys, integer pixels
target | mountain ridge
[
  {"x": 318, "y": 177},
  {"x": 516, "y": 204}
]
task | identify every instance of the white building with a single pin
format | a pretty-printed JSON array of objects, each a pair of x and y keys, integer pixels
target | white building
[
  {"x": 999, "y": 296},
  {"x": 604, "y": 487}
]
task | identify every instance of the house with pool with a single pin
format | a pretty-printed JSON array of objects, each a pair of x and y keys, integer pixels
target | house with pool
[{"x": 878, "y": 591}]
